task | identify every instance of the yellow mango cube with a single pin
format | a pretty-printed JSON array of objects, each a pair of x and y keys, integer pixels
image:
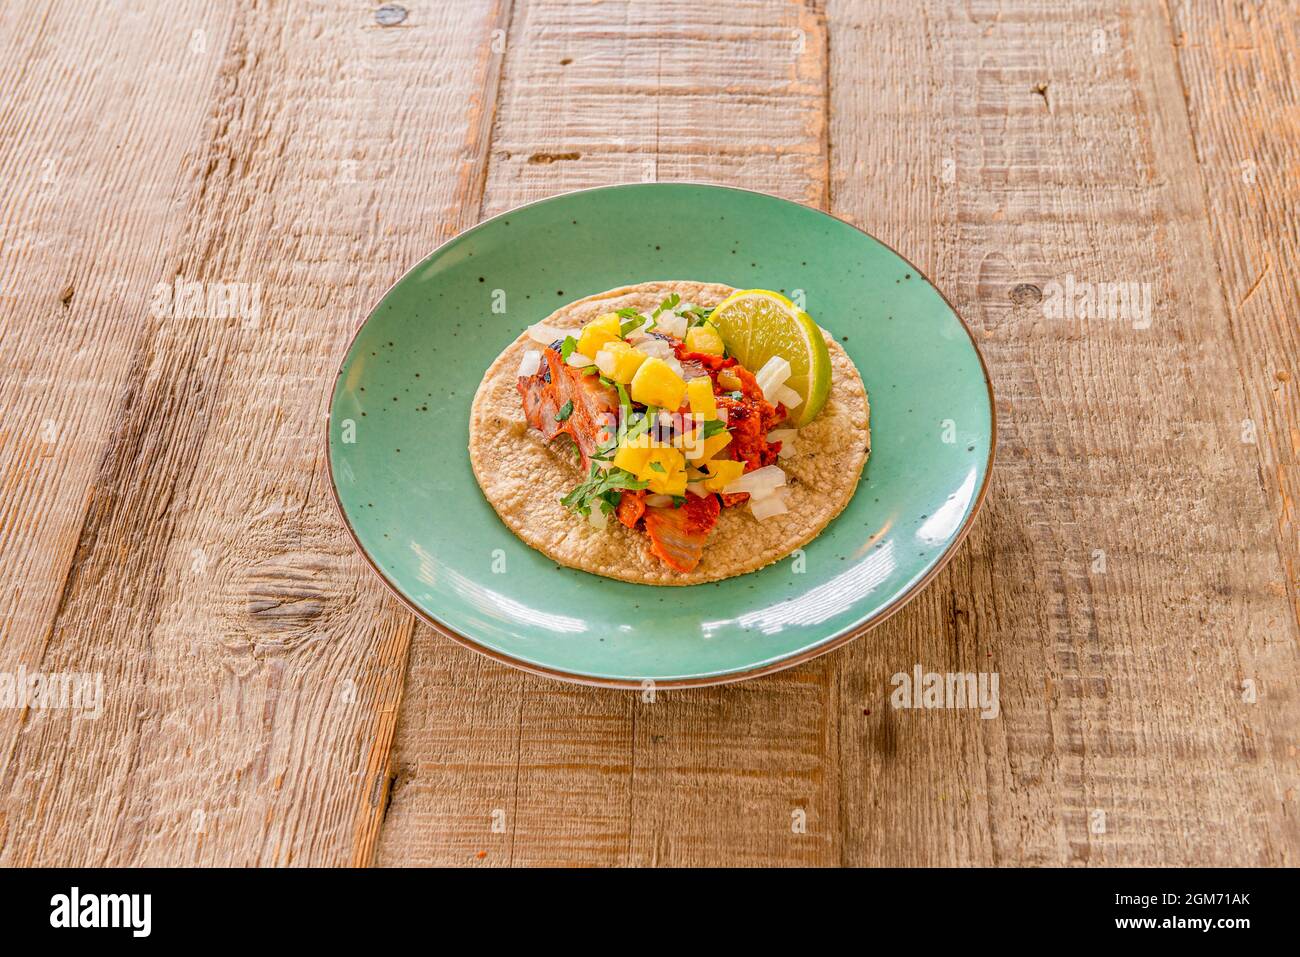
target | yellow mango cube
[
  {"x": 704, "y": 339},
  {"x": 674, "y": 484},
  {"x": 665, "y": 470},
  {"x": 623, "y": 361},
  {"x": 655, "y": 383},
  {"x": 634, "y": 455},
  {"x": 729, "y": 380},
  {"x": 700, "y": 393},
  {"x": 598, "y": 332},
  {"x": 722, "y": 472},
  {"x": 710, "y": 447}
]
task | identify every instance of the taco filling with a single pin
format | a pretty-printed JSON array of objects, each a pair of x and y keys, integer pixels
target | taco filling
[{"x": 666, "y": 424}]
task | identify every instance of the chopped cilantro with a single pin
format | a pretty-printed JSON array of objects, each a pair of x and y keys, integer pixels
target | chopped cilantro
[
  {"x": 598, "y": 488},
  {"x": 566, "y": 410},
  {"x": 670, "y": 303},
  {"x": 713, "y": 427},
  {"x": 679, "y": 501},
  {"x": 642, "y": 425},
  {"x": 657, "y": 467}
]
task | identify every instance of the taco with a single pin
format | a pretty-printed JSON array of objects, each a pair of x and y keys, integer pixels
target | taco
[{"x": 622, "y": 436}]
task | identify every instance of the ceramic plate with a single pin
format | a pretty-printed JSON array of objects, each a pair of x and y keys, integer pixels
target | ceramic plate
[{"x": 398, "y": 431}]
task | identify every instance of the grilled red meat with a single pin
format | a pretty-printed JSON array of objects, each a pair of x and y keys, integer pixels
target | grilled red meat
[
  {"x": 678, "y": 535},
  {"x": 631, "y": 506},
  {"x": 593, "y": 416}
]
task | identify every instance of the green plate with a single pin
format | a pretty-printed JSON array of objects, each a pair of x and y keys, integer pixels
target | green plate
[{"x": 398, "y": 432}]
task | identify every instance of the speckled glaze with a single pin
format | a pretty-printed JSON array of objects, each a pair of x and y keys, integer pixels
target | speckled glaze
[{"x": 398, "y": 429}]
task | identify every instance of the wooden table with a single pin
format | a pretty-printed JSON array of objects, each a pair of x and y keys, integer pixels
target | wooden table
[{"x": 166, "y": 520}]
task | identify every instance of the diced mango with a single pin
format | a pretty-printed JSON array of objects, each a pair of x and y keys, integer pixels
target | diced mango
[
  {"x": 700, "y": 392},
  {"x": 710, "y": 447},
  {"x": 655, "y": 383},
  {"x": 669, "y": 477},
  {"x": 626, "y": 361},
  {"x": 595, "y": 334},
  {"x": 704, "y": 339},
  {"x": 729, "y": 380},
  {"x": 671, "y": 484},
  {"x": 634, "y": 455},
  {"x": 722, "y": 472}
]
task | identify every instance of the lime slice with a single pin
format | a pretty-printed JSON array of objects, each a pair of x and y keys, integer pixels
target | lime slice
[{"x": 757, "y": 324}]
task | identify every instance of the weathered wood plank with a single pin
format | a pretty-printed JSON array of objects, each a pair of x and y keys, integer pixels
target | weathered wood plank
[
  {"x": 253, "y": 669},
  {"x": 591, "y": 95},
  {"x": 165, "y": 519},
  {"x": 1240, "y": 77},
  {"x": 93, "y": 173},
  {"x": 1124, "y": 579}
]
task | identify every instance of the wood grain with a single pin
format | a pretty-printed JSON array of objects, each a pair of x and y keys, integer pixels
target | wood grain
[
  {"x": 165, "y": 518},
  {"x": 1033, "y": 147},
  {"x": 593, "y": 94},
  {"x": 252, "y": 669},
  {"x": 1239, "y": 77}
]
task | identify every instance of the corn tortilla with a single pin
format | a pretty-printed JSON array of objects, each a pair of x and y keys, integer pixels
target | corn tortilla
[{"x": 524, "y": 477}]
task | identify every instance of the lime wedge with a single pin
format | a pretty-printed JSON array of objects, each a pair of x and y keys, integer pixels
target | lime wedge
[{"x": 757, "y": 324}]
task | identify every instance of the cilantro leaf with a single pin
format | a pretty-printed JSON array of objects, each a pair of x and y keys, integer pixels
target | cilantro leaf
[
  {"x": 566, "y": 410},
  {"x": 657, "y": 467},
  {"x": 670, "y": 303},
  {"x": 599, "y": 488},
  {"x": 713, "y": 427}
]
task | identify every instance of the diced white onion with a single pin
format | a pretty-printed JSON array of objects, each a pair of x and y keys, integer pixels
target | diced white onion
[
  {"x": 659, "y": 501},
  {"x": 673, "y": 324},
  {"x": 598, "y": 518},
  {"x": 786, "y": 396},
  {"x": 786, "y": 438},
  {"x": 758, "y": 482},
  {"x": 578, "y": 360},
  {"x": 768, "y": 506},
  {"x": 605, "y": 362},
  {"x": 541, "y": 332},
  {"x": 722, "y": 414},
  {"x": 697, "y": 488},
  {"x": 675, "y": 366},
  {"x": 530, "y": 363},
  {"x": 777, "y": 368},
  {"x": 772, "y": 376},
  {"x": 656, "y": 348}
]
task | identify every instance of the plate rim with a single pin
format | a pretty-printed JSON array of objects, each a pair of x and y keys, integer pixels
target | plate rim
[{"x": 827, "y": 645}]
